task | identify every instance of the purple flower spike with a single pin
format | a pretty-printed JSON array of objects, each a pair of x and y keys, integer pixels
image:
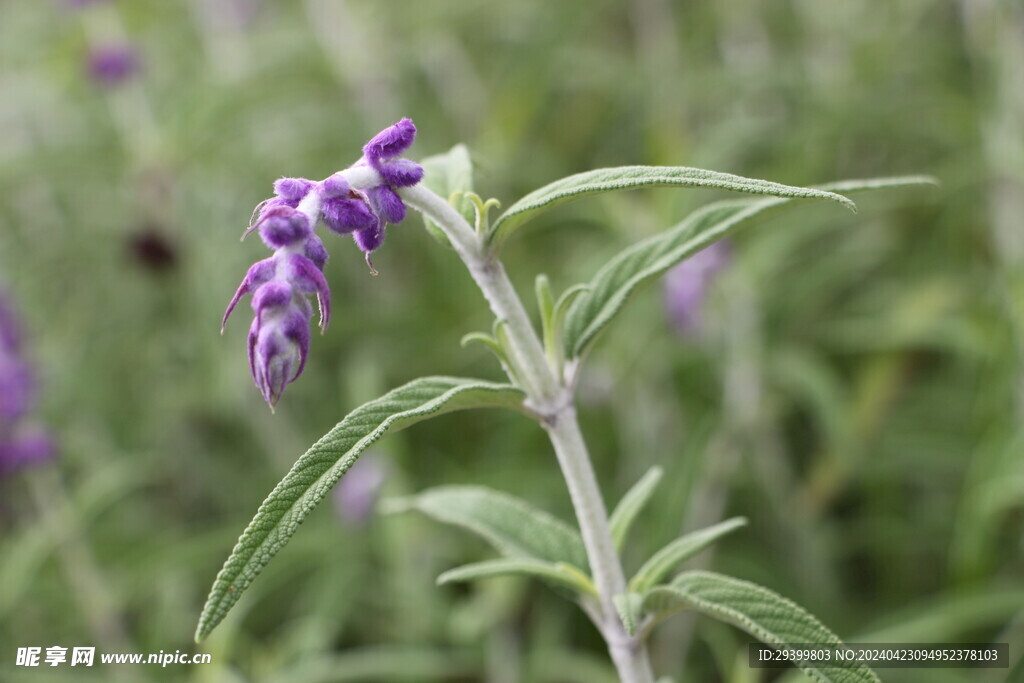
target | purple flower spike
[
  {"x": 20, "y": 444},
  {"x": 278, "y": 342},
  {"x": 111, "y": 65},
  {"x": 279, "y": 334},
  {"x": 686, "y": 285}
]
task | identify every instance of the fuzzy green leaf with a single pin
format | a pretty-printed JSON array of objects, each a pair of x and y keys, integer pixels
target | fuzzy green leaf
[
  {"x": 668, "y": 558},
  {"x": 760, "y": 612},
  {"x": 313, "y": 475},
  {"x": 616, "y": 281},
  {"x": 558, "y": 573},
  {"x": 514, "y": 527},
  {"x": 447, "y": 174},
  {"x": 630, "y": 608},
  {"x": 632, "y": 504},
  {"x": 632, "y": 177}
]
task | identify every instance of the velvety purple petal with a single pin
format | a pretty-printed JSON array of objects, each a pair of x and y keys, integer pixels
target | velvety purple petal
[
  {"x": 254, "y": 330},
  {"x": 259, "y": 273},
  {"x": 283, "y": 227},
  {"x": 370, "y": 239},
  {"x": 400, "y": 172},
  {"x": 335, "y": 186},
  {"x": 391, "y": 141},
  {"x": 273, "y": 368},
  {"x": 387, "y": 203},
  {"x": 315, "y": 251},
  {"x": 273, "y": 294},
  {"x": 307, "y": 278},
  {"x": 345, "y": 215},
  {"x": 296, "y": 330},
  {"x": 292, "y": 189}
]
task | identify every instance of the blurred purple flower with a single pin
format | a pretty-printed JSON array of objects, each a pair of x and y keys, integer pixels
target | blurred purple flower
[
  {"x": 356, "y": 494},
  {"x": 25, "y": 448},
  {"x": 20, "y": 445},
  {"x": 279, "y": 335},
  {"x": 686, "y": 285},
  {"x": 113, "y": 64}
]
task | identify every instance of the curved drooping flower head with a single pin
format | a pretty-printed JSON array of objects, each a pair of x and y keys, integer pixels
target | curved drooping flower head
[
  {"x": 21, "y": 444},
  {"x": 686, "y": 285},
  {"x": 279, "y": 334}
]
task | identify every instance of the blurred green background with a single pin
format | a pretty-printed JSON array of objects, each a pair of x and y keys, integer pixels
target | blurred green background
[{"x": 857, "y": 389}]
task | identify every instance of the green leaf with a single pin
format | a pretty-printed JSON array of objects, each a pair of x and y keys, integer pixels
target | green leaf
[
  {"x": 447, "y": 174},
  {"x": 632, "y": 504},
  {"x": 513, "y": 526},
  {"x": 762, "y": 613},
  {"x": 323, "y": 465},
  {"x": 630, "y": 607},
  {"x": 558, "y": 573},
  {"x": 632, "y": 177},
  {"x": 613, "y": 284},
  {"x": 668, "y": 558}
]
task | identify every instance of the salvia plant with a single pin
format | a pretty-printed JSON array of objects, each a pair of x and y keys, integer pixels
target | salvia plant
[{"x": 542, "y": 368}]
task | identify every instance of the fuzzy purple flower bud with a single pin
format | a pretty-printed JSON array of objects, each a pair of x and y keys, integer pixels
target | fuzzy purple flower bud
[
  {"x": 110, "y": 65},
  {"x": 686, "y": 285},
  {"x": 20, "y": 445},
  {"x": 391, "y": 142}
]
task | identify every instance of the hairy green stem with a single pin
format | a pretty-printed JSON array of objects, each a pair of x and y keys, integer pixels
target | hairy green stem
[
  {"x": 489, "y": 274},
  {"x": 553, "y": 405},
  {"x": 628, "y": 652}
]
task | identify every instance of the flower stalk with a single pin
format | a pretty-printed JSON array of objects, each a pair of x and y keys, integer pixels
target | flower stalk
[{"x": 552, "y": 402}]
